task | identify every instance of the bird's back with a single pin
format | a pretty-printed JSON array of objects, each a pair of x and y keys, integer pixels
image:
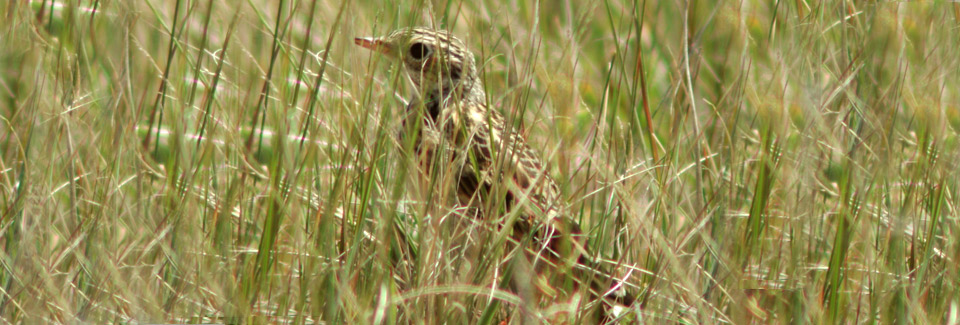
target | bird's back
[{"x": 496, "y": 170}]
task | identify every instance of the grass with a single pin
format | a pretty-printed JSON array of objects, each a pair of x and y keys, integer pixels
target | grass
[{"x": 218, "y": 161}]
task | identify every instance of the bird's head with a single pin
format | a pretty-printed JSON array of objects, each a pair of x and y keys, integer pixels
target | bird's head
[{"x": 435, "y": 60}]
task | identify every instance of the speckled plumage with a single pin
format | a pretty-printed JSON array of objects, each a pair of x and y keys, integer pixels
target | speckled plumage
[
  {"x": 493, "y": 165},
  {"x": 455, "y": 114}
]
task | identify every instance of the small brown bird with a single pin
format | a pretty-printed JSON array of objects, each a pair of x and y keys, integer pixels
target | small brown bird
[{"x": 497, "y": 172}]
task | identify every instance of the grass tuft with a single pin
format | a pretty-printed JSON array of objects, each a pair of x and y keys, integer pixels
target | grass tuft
[{"x": 214, "y": 161}]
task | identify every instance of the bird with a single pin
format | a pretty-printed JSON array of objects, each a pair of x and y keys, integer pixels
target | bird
[{"x": 497, "y": 173}]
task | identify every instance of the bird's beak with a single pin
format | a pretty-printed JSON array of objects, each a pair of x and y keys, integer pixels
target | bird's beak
[{"x": 371, "y": 44}]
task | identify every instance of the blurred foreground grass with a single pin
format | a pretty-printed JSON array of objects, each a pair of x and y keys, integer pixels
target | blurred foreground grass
[{"x": 221, "y": 161}]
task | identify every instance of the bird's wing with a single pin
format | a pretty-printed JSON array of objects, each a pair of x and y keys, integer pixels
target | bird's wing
[{"x": 498, "y": 156}]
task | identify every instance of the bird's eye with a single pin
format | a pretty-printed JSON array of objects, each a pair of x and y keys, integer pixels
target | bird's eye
[{"x": 418, "y": 51}]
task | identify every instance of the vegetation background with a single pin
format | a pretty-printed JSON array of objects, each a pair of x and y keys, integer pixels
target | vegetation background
[{"x": 235, "y": 161}]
